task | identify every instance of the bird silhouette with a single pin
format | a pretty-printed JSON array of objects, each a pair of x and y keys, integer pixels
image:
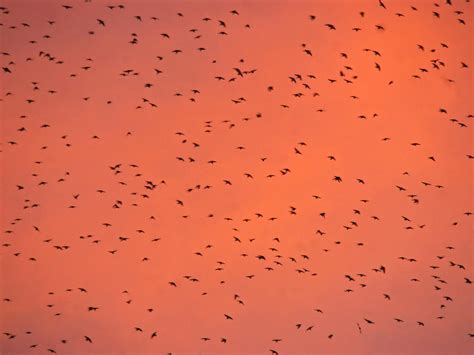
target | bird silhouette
[{"x": 169, "y": 163}]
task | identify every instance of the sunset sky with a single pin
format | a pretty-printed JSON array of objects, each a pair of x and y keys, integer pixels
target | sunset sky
[{"x": 173, "y": 164}]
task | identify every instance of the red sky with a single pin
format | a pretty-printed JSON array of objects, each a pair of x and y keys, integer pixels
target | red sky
[{"x": 392, "y": 105}]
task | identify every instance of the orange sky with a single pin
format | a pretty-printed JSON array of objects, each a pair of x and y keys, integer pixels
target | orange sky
[{"x": 87, "y": 116}]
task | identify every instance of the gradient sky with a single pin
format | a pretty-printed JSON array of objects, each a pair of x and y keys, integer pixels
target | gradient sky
[{"x": 87, "y": 117}]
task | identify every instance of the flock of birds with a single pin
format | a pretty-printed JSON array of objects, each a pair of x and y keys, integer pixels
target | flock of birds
[{"x": 166, "y": 198}]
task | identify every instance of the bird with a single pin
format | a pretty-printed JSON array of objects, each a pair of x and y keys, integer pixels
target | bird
[{"x": 161, "y": 170}]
